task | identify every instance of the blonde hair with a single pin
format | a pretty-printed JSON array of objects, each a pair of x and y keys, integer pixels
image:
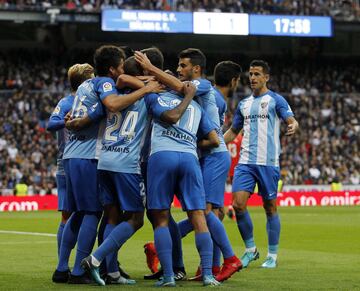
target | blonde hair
[{"x": 79, "y": 73}]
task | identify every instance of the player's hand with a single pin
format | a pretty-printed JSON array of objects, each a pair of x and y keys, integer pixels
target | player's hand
[
  {"x": 154, "y": 87},
  {"x": 68, "y": 116},
  {"x": 189, "y": 89},
  {"x": 292, "y": 128},
  {"x": 143, "y": 60},
  {"x": 71, "y": 124},
  {"x": 146, "y": 79}
]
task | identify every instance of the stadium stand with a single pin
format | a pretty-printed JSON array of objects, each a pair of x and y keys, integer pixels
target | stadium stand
[
  {"x": 324, "y": 96},
  {"x": 347, "y": 10}
]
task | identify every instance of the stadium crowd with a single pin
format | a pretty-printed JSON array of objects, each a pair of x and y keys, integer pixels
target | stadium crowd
[
  {"x": 325, "y": 101},
  {"x": 344, "y": 10}
]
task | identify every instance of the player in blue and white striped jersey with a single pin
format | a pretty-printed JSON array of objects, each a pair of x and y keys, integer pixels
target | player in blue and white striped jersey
[
  {"x": 76, "y": 75},
  {"x": 173, "y": 166},
  {"x": 121, "y": 183},
  {"x": 259, "y": 116},
  {"x": 215, "y": 162}
]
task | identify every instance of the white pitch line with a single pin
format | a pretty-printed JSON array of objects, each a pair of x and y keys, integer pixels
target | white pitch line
[{"x": 28, "y": 233}]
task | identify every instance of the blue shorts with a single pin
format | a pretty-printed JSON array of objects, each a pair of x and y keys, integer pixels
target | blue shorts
[
  {"x": 170, "y": 172},
  {"x": 61, "y": 191},
  {"x": 128, "y": 190},
  {"x": 82, "y": 188},
  {"x": 267, "y": 178},
  {"x": 215, "y": 168}
]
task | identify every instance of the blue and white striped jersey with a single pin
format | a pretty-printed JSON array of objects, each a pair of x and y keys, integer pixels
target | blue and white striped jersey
[
  {"x": 206, "y": 97},
  {"x": 124, "y": 138},
  {"x": 260, "y": 118},
  {"x": 179, "y": 137},
  {"x": 57, "y": 123},
  {"x": 86, "y": 143}
]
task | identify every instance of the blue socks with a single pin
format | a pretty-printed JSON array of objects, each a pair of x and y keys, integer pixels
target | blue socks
[
  {"x": 219, "y": 235},
  {"x": 216, "y": 256},
  {"x": 59, "y": 236},
  {"x": 111, "y": 259},
  {"x": 119, "y": 235},
  {"x": 245, "y": 226},
  {"x": 204, "y": 246},
  {"x": 86, "y": 240},
  {"x": 68, "y": 241},
  {"x": 163, "y": 245},
  {"x": 177, "y": 255},
  {"x": 185, "y": 227},
  {"x": 273, "y": 230}
]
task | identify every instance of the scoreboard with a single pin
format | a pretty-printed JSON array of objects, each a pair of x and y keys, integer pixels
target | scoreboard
[{"x": 215, "y": 23}]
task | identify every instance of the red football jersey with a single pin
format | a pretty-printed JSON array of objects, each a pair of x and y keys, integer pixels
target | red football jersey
[{"x": 234, "y": 150}]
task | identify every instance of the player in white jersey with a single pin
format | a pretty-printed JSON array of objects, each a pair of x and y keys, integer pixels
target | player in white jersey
[{"x": 259, "y": 116}]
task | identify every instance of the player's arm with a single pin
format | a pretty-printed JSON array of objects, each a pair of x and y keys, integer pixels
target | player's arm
[
  {"x": 236, "y": 127},
  {"x": 292, "y": 125},
  {"x": 211, "y": 141},
  {"x": 95, "y": 113},
  {"x": 207, "y": 135},
  {"x": 76, "y": 124},
  {"x": 127, "y": 81},
  {"x": 57, "y": 118},
  {"x": 283, "y": 110},
  {"x": 231, "y": 134},
  {"x": 115, "y": 103},
  {"x": 165, "y": 78},
  {"x": 173, "y": 115}
]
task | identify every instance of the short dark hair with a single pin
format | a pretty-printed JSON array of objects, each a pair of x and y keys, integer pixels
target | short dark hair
[
  {"x": 107, "y": 56},
  {"x": 155, "y": 56},
  {"x": 225, "y": 71},
  {"x": 128, "y": 51},
  {"x": 132, "y": 67},
  {"x": 196, "y": 56},
  {"x": 260, "y": 63}
]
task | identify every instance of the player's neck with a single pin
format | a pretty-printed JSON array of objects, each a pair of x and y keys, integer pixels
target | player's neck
[
  {"x": 260, "y": 92},
  {"x": 223, "y": 90},
  {"x": 196, "y": 76}
]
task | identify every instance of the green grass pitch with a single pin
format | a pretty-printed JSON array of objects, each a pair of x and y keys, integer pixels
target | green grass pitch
[{"x": 319, "y": 250}]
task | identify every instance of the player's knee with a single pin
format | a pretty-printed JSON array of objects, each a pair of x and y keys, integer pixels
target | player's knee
[
  {"x": 220, "y": 213},
  {"x": 160, "y": 218},
  {"x": 239, "y": 205},
  {"x": 270, "y": 209},
  {"x": 65, "y": 215},
  {"x": 240, "y": 201},
  {"x": 137, "y": 221}
]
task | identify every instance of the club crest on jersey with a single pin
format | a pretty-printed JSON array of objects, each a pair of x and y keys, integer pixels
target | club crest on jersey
[
  {"x": 264, "y": 104},
  {"x": 57, "y": 110},
  {"x": 107, "y": 87}
]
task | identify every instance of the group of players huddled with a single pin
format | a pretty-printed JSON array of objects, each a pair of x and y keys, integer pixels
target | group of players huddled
[{"x": 133, "y": 136}]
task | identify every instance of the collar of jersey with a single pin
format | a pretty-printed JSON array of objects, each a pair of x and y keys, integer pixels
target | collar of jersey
[{"x": 267, "y": 92}]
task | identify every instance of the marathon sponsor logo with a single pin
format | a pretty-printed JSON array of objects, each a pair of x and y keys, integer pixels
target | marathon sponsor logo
[
  {"x": 256, "y": 116},
  {"x": 77, "y": 137},
  {"x": 181, "y": 136},
  {"x": 115, "y": 149}
]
